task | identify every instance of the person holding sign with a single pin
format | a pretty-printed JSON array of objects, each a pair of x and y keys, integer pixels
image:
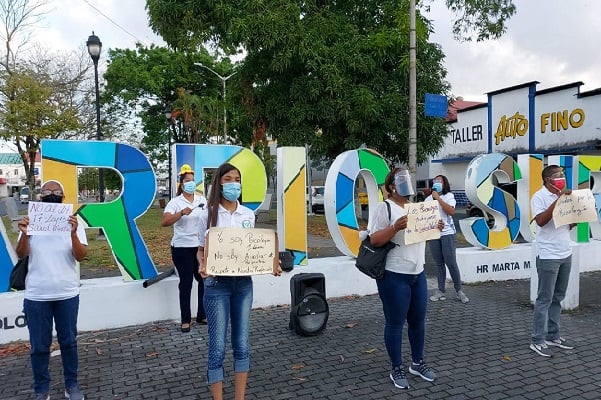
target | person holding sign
[
  {"x": 553, "y": 263},
  {"x": 227, "y": 297},
  {"x": 52, "y": 293},
  {"x": 444, "y": 249},
  {"x": 183, "y": 212},
  {"x": 403, "y": 289}
]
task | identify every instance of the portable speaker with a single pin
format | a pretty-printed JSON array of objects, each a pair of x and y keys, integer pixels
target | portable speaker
[{"x": 309, "y": 309}]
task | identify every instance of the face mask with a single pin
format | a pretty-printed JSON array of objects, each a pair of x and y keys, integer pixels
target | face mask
[
  {"x": 231, "y": 191},
  {"x": 52, "y": 198},
  {"x": 189, "y": 187},
  {"x": 437, "y": 187},
  {"x": 559, "y": 183}
]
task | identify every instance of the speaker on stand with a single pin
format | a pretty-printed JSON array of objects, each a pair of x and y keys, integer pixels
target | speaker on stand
[{"x": 309, "y": 309}]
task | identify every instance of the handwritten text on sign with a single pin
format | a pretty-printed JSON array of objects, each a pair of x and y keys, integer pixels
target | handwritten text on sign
[
  {"x": 578, "y": 206},
  {"x": 48, "y": 218},
  {"x": 422, "y": 222},
  {"x": 239, "y": 251}
]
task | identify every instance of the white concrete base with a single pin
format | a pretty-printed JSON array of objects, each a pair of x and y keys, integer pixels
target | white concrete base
[
  {"x": 110, "y": 302},
  {"x": 480, "y": 265}
]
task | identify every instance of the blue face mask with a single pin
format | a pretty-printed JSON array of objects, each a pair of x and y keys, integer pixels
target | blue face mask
[
  {"x": 437, "y": 187},
  {"x": 231, "y": 191},
  {"x": 189, "y": 187}
]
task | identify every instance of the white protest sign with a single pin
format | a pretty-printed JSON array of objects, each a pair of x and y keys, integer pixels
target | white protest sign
[
  {"x": 578, "y": 206},
  {"x": 422, "y": 222},
  {"x": 240, "y": 251},
  {"x": 48, "y": 218}
]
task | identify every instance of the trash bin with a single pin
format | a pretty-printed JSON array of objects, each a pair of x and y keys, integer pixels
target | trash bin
[{"x": 162, "y": 203}]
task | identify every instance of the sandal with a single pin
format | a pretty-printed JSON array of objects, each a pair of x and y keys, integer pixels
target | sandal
[{"x": 185, "y": 328}]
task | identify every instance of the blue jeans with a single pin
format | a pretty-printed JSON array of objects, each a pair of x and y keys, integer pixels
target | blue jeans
[
  {"x": 228, "y": 298},
  {"x": 186, "y": 263},
  {"x": 553, "y": 277},
  {"x": 444, "y": 253},
  {"x": 40, "y": 315},
  {"x": 404, "y": 297}
]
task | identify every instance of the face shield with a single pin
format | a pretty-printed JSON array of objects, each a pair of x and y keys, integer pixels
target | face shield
[{"x": 402, "y": 183}]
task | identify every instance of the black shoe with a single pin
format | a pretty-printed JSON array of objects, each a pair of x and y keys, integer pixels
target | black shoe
[
  {"x": 185, "y": 328},
  {"x": 202, "y": 321}
]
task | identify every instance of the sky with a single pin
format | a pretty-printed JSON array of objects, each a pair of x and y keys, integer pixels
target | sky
[{"x": 553, "y": 42}]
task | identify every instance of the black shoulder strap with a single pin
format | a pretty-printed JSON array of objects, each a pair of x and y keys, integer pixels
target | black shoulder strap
[{"x": 388, "y": 207}]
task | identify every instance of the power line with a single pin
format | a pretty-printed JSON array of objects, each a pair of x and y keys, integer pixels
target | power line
[{"x": 113, "y": 22}]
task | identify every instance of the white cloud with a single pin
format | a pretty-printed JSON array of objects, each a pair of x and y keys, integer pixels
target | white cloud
[{"x": 553, "y": 42}]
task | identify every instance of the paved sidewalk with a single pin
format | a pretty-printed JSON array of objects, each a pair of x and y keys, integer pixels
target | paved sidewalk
[{"x": 479, "y": 351}]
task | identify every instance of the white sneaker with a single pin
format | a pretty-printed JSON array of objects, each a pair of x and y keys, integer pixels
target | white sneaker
[
  {"x": 438, "y": 295},
  {"x": 462, "y": 297},
  {"x": 541, "y": 349},
  {"x": 561, "y": 343}
]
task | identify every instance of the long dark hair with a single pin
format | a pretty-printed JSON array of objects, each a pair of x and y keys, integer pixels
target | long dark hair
[
  {"x": 446, "y": 186},
  {"x": 215, "y": 193}
]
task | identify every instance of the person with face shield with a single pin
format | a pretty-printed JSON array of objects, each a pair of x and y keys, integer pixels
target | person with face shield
[
  {"x": 183, "y": 212},
  {"x": 444, "y": 249},
  {"x": 52, "y": 296},
  {"x": 227, "y": 298},
  {"x": 403, "y": 289},
  {"x": 553, "y": 263}
]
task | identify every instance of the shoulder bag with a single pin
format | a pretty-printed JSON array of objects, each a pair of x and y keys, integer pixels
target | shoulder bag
[
  {"x": 18, "y": 274},
  {"x": 371, "y": 260}
]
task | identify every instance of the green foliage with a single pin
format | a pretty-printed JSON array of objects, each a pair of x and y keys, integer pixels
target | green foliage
[
  {"x": 482, "y": 19},
  {"x": 339, "y": 68}
]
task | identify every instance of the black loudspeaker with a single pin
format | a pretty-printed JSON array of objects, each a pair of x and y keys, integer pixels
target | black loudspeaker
[{"x": 309, "y": 309}]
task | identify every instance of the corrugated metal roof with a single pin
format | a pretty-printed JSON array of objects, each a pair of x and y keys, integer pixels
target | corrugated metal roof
[{"x": 10, "y": 158}]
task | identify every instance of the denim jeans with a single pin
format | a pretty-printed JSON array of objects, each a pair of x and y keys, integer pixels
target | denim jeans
[
  {"x": 226, "y": 298},
  {"x": 186, "y": 263},
  {"x": 444, "y": 253},
  {"x": 40, "y": 315},
  {"x": 404, "y": 297},
  {"x": 553, "y": 277}
]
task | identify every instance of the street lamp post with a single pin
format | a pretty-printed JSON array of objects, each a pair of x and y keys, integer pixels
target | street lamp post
[
  {"x": 94, "y": 48},
  {"x": 223, "y": 79},
  {"x": 168, "y": 116}
]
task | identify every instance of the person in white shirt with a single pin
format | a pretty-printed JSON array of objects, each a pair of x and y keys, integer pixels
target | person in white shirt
[
  {"x": 52, "y": 295},
  {"x": 183, "y": 212},
  {"x": 553, "y": 263},
  {"x": 444, "y": 249},
  {"x": 227, "y": 297},
  {"x": 403, "y": 290}
]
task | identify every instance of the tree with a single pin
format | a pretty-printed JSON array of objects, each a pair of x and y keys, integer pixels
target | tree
[
  {"x": 482, "y": 19},
  {"x": 146, "y": 81}
]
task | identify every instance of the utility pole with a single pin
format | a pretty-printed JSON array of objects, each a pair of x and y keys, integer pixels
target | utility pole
[{"x": 412, "y": 95}]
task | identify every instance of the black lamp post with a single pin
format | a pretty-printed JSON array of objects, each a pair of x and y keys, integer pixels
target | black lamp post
[
  {"x": 168, "y": 117},
  {"x": 94, "y": 47}
]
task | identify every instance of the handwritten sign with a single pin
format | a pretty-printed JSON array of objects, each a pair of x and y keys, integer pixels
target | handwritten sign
[
  {"x": 48, "y": 218},
  {"x": 239, "y": 251},
  {"x": 422, "y": 222},
  {"x": 578, "y": 206}
]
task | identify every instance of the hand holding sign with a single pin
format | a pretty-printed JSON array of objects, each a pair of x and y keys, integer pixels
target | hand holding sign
[
  {"x": 422, "y": 222},
  {"x": 49, "y": 218},
  {"x": 578, "y": 206},
  {"x": 240, "y": 252}
]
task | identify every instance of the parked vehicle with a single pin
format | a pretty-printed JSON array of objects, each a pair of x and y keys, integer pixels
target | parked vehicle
[
  {"x": 24, "y": 195},
  {"x": 423, "y": 189},
  {"x": 317, "y": 193}
]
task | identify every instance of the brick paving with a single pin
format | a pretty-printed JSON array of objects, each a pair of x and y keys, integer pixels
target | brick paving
[{"x": 479, "y": 351}]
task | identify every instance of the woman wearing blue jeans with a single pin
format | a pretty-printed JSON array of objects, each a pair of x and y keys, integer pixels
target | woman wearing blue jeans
[
  {"x": 403, "y": 289},
  {"x": 52, "y": 296},
  {"x": 226, "y": 297}
]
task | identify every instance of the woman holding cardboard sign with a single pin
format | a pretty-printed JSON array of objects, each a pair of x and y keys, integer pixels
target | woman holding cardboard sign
[
  {"x": 403, "y": 289},
  {"x": 227, "y": 297}
]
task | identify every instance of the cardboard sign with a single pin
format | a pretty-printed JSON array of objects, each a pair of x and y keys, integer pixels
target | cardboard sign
[
  {"x": 578, "y": 206},
  {"x": 422, "y": 222},
  {"x": 241, "y": 251},
  {"x": 48, "y": 218}
]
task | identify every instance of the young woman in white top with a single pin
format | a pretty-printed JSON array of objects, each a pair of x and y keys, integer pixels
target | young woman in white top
[
  {"x": 183, "y": 212},
  {"x": 444, "y": 249},
  {"x": 227, "y": 297}
]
